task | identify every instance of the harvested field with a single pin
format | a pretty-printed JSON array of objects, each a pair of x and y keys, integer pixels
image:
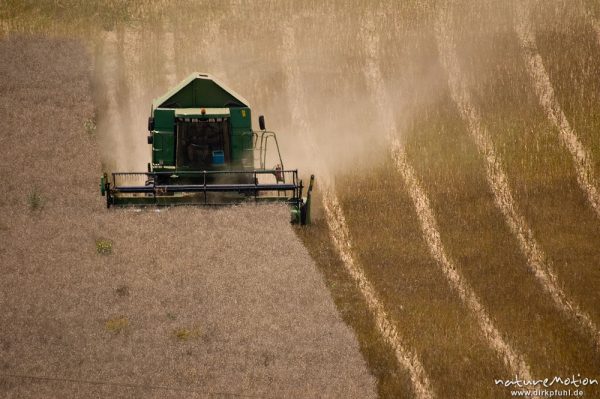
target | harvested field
[{"x": 181, "y": 302}]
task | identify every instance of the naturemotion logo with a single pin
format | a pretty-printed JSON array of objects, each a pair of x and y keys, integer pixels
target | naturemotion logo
[
  {"x": 547, "y": 387},
  {"x": 548, "y": 382}
]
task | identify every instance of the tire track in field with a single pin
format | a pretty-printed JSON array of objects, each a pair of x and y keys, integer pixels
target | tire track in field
[
  {"x": 582, "y": 158},
  {"x": 427, "y": 220},
  {"x": 498, "y": 181},
  {"x": 339, "y": 233}
]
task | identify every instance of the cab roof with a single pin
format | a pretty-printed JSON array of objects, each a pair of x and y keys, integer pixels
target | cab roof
[{"x": 200, "y": 90}]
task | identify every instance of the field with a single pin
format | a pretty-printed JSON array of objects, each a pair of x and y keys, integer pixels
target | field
[
  {"x": 457, "y": 153},
  {"x": 109, "y": 303}
]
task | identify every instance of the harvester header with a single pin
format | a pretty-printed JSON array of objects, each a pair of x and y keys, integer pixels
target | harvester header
[{"x": 205, "y": 152}]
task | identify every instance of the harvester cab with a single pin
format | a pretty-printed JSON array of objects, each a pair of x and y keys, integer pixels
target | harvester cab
[{"x": 205, "y": 152}]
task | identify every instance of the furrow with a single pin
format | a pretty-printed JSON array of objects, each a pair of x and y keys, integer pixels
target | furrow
[
  {"x": 425, "y": 214},
  {"x": 498, "y": 181},
  {"x": 341, "y": 239},
  {"x": 509, "y": 356},
  {"x": 582, "y": 159}
]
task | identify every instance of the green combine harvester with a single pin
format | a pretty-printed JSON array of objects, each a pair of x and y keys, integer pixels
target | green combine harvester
[{"x": 205, "y": 152}]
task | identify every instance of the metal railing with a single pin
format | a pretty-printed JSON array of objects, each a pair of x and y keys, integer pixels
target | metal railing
[
  {"x": 164, "y": 184},
  {"x": 261, "y": 142}
]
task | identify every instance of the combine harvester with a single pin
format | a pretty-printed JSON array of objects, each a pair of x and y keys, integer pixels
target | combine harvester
[{"x": 204, "y": 152}]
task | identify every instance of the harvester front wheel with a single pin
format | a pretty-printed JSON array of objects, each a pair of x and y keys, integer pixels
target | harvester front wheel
[{"x": 108, "y": 196}]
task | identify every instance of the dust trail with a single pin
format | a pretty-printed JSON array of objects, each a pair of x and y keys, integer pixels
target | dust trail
[
  {"x": 110, "y": 123},
  {"x": 169, "y": 54},
  {"x": 197, "y": 48},
  {"x": 582, "y": 158},
  {"x": 498, "y": 180},
  {"x": 134, "y": 121},
  {"x": 338, "y": 229},
  {"x": 429, "y": 226},
  {"x": 216, "y": 42},
  {"x": 297, "y": 102}
]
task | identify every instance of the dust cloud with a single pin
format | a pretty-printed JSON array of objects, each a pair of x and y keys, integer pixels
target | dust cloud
[
  {"x": 305, "y": 66},
  {"x": 304, "y": 73}
]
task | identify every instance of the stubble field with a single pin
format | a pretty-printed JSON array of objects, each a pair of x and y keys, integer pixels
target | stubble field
[{"x": 125, "y": 303}]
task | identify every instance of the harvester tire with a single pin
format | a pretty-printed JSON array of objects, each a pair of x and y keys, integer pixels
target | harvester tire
[{"x": 302, "y": 214}]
